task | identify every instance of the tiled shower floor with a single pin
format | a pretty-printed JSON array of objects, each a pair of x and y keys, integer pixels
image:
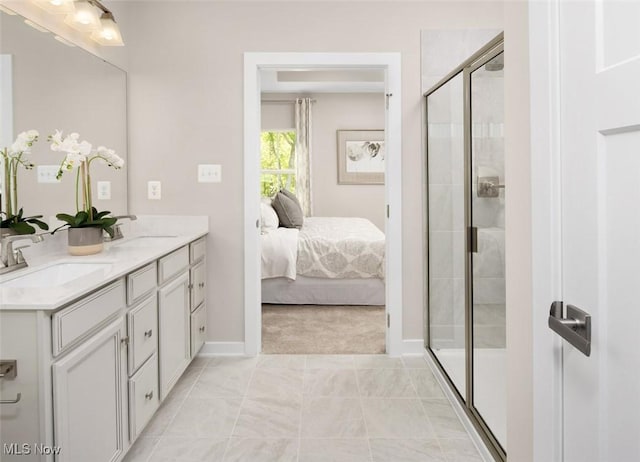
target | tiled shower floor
[{"x": 305, "y": 408}]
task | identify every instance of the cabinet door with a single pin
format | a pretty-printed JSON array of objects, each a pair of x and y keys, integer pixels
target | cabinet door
[
  {"x": 89, "y": 398},
  {"x": 198, "y": 281},
  {"x": 198, "y": 329},
  {"x": 174, "y": 341}
]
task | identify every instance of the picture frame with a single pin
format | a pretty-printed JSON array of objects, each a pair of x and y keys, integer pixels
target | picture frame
[{"x": 361, "y": 156}]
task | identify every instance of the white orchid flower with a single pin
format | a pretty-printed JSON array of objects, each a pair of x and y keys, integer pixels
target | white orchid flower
[
  {"x": 110, "y": 157},
  {"x": 22, "y": 144}
]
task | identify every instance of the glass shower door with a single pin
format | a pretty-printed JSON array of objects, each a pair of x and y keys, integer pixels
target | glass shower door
[
  {"x": 487, "y": 258},
  {"x": 446, "y": 229}
]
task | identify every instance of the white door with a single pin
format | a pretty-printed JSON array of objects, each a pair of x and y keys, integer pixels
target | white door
[{"x": 600, "y": 149}]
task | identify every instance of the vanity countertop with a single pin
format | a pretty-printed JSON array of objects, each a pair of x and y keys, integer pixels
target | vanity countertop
[{"x": 64, "y": 278}]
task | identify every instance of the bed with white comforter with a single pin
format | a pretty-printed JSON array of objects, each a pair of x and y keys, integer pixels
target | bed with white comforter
[{"x": 330, "y": 260}]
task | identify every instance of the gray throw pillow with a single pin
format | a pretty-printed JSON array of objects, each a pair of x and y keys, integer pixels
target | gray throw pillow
[{"x": 288, "y": 209}]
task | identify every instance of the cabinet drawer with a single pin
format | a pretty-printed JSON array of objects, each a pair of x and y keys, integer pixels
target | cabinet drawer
[
  {"x": 141, "y": 283},
  {"x": 142, "y": 322},
  {"x": 72, "y": 324},
  {"x": 172, "y": 264},
  {"x": 197, "y": 249},
  {"x": 143, "y": 396},
  {"x": 198, "y": 282},
  {"x": 198, "y": 329}
]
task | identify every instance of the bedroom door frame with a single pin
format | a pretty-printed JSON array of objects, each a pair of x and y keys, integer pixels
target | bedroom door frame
[{"x": 391, "y": 64}]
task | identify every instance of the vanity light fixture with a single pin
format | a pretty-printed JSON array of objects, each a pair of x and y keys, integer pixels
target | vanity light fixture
[
  {"x": 56, "y": 6},
  {"x": 109, "y": 32},
  {"x": 85, "y": 18}
]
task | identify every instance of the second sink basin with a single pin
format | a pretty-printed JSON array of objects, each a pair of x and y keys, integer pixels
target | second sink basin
[{"x": 55, "y": 275}]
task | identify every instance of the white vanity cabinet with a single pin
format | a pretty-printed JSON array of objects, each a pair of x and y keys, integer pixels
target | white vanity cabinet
[
  {"x": 93, "y": 372},
  {"x": 89, "y": 398}
]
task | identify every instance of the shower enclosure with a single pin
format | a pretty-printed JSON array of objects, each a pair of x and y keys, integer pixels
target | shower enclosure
[{"x": 465, "y": 310}]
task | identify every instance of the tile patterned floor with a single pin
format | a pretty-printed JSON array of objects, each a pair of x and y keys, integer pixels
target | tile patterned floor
[{"x": 305, "y": 408}]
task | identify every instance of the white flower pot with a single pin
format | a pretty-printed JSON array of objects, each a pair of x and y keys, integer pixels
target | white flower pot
[{"x": 85, "y": 241}]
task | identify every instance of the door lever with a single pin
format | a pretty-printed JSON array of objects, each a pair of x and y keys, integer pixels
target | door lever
[{"x": 575, "y": 328}]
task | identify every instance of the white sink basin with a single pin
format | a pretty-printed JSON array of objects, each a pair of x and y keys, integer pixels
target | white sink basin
[{"x": 55, "y": 275}]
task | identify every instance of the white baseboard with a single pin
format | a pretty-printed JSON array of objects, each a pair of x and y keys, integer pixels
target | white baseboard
[
  {"x": 222, "y": 349},
  {"x": 413, "y": 347},
  {"x": 457, "y": 407},
  {"x": 410, "y": 347}
]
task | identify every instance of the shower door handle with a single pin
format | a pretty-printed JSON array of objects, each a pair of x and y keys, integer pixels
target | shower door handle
[
  {"x": 575, "y": 328},
  {"x": 472, "y": 239}
]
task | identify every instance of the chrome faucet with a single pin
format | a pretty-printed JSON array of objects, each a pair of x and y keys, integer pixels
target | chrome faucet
[
  {"x": 117, "y": 231},
  {"x": 13, "y": 259}
]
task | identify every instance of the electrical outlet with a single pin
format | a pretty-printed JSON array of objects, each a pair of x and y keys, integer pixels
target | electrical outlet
[
  {"x": 209, "y": 173},
  {"x": 154, "y": 190},
  {"x": 104, "y": 190},
  {"x": 47, "y": 173}
]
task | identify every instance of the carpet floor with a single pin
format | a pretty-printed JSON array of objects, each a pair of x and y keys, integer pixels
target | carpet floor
[{"x": 318, "y": 329}]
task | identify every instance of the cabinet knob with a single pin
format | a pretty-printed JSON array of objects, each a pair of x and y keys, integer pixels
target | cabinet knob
[
  {"x": 148, "y": 333},
  {"x": 149, "y": 395},
  {"x": 201, "y": 329},
  {"x": 190, "y": 286},
  {"x": 201, "y": 285},
  {"x": 124, "y": 341}
]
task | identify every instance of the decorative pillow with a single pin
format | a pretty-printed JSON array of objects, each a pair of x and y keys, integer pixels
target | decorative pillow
[
  {"x": 288, "y": 209},
  {"x": 268, "y": 218}
]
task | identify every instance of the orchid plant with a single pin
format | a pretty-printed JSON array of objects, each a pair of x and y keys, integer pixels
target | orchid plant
[
  {"x": 80, "y": 155},
  {"x": 13, "y": 157}
]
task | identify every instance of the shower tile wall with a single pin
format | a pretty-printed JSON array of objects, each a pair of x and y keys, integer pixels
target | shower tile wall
[
  {"x": 446, "y": 215},
  {"x": 488, "y": 213}
]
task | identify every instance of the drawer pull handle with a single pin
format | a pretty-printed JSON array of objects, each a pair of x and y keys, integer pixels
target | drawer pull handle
[
  {"x": 11, "y": 401},
  {"x": 148, "y": 333},
  {"x": 201, "y": 329},
  {"x": 149, "y": 395},
  {"x": 124, "y": 341}
]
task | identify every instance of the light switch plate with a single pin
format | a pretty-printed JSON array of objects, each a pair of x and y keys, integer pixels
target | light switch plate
[
  {"x": 209, "y": 173},
  {"x": 47, "y": 173},
  {"x": 104, "y": 190},
  {"x": 154, "y": 190}
]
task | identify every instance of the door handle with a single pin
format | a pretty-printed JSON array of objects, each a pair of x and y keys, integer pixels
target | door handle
[{"x": 575, "y": 328}]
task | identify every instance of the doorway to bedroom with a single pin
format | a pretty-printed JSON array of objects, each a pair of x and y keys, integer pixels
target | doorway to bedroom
[
  {"x": 318, "y": 151},
  {"x": 322, "y": 159}
]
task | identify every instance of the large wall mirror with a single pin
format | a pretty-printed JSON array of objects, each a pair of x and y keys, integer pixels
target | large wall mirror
[{"x": 47, "y": 85}]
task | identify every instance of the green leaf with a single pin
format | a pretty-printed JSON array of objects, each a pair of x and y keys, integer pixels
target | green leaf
[
  {"x": 38, "y": 223},
  {"x": 80, "y": 219},
  {"x": 23, "y": 228},
  {"x": 66, "y": 218},
  {"x": 97, "y": 215}
]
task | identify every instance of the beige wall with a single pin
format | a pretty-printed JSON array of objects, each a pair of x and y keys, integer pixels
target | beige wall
[
  {"x": 331, "y": 112},
  {"x": 186, "y": 86},
  {"x": 518, "y": 238}
]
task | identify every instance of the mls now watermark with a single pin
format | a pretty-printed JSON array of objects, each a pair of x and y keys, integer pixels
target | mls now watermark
[{"x": 26, "y": 449}]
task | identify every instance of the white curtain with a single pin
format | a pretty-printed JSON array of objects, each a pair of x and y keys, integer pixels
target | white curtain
[{"x": 303, "y": 154}]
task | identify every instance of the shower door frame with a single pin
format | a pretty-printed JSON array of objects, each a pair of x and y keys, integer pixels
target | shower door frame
[{"x": 485, "y": 54}]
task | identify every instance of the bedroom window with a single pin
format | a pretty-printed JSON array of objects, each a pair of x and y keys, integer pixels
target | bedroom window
[{"x": 277, "y": 162}]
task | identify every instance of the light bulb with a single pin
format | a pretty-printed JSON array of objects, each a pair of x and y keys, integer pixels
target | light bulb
[
  {"x": 109, "y": 33},
  {"x": 56, "y": 6},
  {"x": 85, "y": 18}
]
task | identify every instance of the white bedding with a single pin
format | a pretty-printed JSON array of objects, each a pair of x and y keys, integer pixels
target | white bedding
[
  {"x": 279, "y": 253},
  {"x": 334, "y": 248}
]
